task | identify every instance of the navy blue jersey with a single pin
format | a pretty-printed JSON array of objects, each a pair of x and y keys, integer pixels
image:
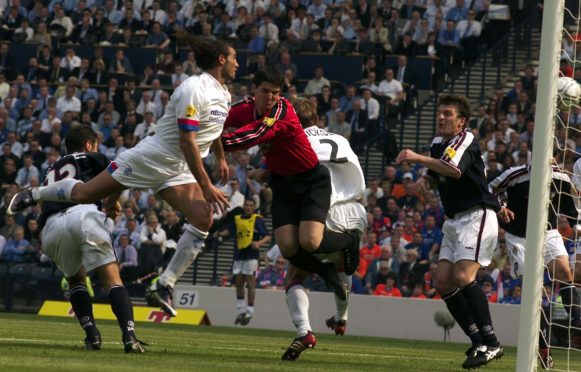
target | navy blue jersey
[
  {"x": 81, "y": 166},
  {"x": 259, "y": 233},
  {"x": 471, "y": 189},
  {"x": 516, "y": 181}
]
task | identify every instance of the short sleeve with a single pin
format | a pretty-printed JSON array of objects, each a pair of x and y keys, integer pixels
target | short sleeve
[
  {"x": 458, "y": 154},
  {"x": 188, "y": 110}
]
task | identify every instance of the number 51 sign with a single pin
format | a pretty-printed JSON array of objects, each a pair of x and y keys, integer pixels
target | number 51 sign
[{"x": 186, "y": 298}]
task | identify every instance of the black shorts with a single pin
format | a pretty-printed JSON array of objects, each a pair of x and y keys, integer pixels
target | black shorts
[{"x": 303, "y": 197}]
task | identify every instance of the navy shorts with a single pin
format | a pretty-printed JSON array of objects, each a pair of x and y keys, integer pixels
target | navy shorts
[{"x": 302, "y": 197}]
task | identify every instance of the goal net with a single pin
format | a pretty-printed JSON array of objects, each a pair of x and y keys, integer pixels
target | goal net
[{"x": 551, "y": 292}]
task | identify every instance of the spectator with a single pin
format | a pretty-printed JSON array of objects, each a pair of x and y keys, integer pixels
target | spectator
[
  {"x": 69, "y": 102},
  {"x": 431, "y": 238},
  {"x": 152, "y": 247},
  {"x": 7, "y": 231},
  {"x": 315, "y": 85},
  {"x": 514, "y": 297},
  {"x": 120, "y": 64},
  {"x": 27, "y": 172},
  {"x": 127, "y": 256},
  {"x": 371, "y": 105},
  {"x": 340, "y": 126},
  {"x": 488, "y": 288},
  {"x": 418, "y": 292},
  {"x": 273, "y": 277},
  {"x": 157, "y": 39},
  {"x": 388, "y": 289},
  {"x": 18, "y": 249},
  {"x": 370, "y": 251},
  {"x": 411, "y": 272}
]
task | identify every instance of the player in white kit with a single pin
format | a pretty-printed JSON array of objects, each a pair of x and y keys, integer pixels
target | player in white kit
[
  {"x": 345, "y": 214},
  {"x": 169, "y": 162}
]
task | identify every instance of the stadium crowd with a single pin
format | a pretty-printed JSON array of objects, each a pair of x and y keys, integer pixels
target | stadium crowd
[{"x": 58, "y": 88}]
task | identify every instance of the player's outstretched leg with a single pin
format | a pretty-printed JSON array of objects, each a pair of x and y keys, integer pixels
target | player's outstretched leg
[{"x": 189, "y": 246}]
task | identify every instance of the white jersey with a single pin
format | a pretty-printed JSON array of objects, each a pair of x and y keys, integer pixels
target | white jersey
[
  {"x": 200, "y": 104},
  {"x": 335, "y": 153}
]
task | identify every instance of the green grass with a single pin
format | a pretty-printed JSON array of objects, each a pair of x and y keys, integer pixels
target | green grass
[{"x": 32, "y": 343}]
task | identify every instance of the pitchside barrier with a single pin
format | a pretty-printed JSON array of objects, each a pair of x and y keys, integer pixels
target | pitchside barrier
[
  {"x": 141, "y": 313},
  {"x": 403, "y": 318}
]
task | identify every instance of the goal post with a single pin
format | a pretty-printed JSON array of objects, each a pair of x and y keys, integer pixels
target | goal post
[{"x": 552, "y": 27}]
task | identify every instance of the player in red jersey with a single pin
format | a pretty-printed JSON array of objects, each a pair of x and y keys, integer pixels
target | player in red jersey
[{"x": 301, "y": 186}]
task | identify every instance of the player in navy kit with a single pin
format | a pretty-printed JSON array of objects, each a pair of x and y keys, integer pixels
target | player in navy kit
[
  {"x": 301, "y": 186},
  {"x": 456, "y": 168},
  {"x": 513, "y": 185},
  {"x": 76, "y": 238}
]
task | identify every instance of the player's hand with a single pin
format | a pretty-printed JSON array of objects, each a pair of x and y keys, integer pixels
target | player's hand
[
  {"x": 113, "y": 211},
  {"x": 422, "y": 185},
  {"x": 407, "y": 155},
  {"x": 259, "y": 175},
  {"x": 216, "y": 199},
  {"x": 505, "y": 214},
  {"x": 223, "y": 171}
]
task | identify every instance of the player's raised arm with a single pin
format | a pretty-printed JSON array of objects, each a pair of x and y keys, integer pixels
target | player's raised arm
[{"x": 256, "y": 132}]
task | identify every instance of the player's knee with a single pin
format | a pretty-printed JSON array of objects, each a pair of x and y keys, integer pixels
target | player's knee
[
  {"x": 443, "y": 286},
  {"x": 309, "y": 243},
  {"x": 461, "y": 278}
]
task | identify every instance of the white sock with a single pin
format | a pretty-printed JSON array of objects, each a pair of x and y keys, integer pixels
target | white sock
[
  {"x": 298, "y": 307},
  {"x": 240, "y": 306},
  {"x": 55, "y": 192},
  {"x": 250, "y": 310},
  {"x": 188, "y": 248},
  {"x": 342, "y": 306}
]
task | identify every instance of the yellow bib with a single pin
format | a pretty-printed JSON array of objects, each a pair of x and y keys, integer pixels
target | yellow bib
[{"x": 244, "y": 230}]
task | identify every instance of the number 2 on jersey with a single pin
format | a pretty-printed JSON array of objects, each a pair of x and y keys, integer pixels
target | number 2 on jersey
[
  {"x": 66, "y": 171},
  {"x": 334, "y": 150}
]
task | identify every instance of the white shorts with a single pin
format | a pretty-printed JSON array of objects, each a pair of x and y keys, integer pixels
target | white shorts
[
  {"x": 348, "y": 215},
  {"x": 150, "y": 165},
  {"x": 245, "y": 267},
  {"x": 78, "y": 237},
  {"x": 470, "y": 235},
  {"x": 554, "y": 247}
]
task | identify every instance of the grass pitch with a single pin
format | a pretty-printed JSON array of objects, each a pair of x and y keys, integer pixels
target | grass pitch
[{"x": 33, "y": 343}]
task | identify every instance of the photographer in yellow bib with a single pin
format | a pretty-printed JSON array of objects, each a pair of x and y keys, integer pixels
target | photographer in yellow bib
[{"x": 251, "y": 234}]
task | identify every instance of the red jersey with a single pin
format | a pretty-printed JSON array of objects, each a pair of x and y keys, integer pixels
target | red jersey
[
  {"x": 280, "y": 135},
  {"x": 382, "y": 290}
]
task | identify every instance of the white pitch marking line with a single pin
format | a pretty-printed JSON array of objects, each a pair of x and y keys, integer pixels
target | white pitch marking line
[{"x": 36, "y": 341}]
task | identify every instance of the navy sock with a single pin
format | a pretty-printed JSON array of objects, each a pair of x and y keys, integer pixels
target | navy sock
[
  {"x": 458, "y": 307},
  {"x": 571, "y": 300},
  {"x": 306, "y": 261},
  {"x": 83, "y": 308},
  {"x": 122, "y": 308},
  {"x": 335, "y": 242},
  {"x": 478, "y": 305},
  {"x": 544, "y": 326}
]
